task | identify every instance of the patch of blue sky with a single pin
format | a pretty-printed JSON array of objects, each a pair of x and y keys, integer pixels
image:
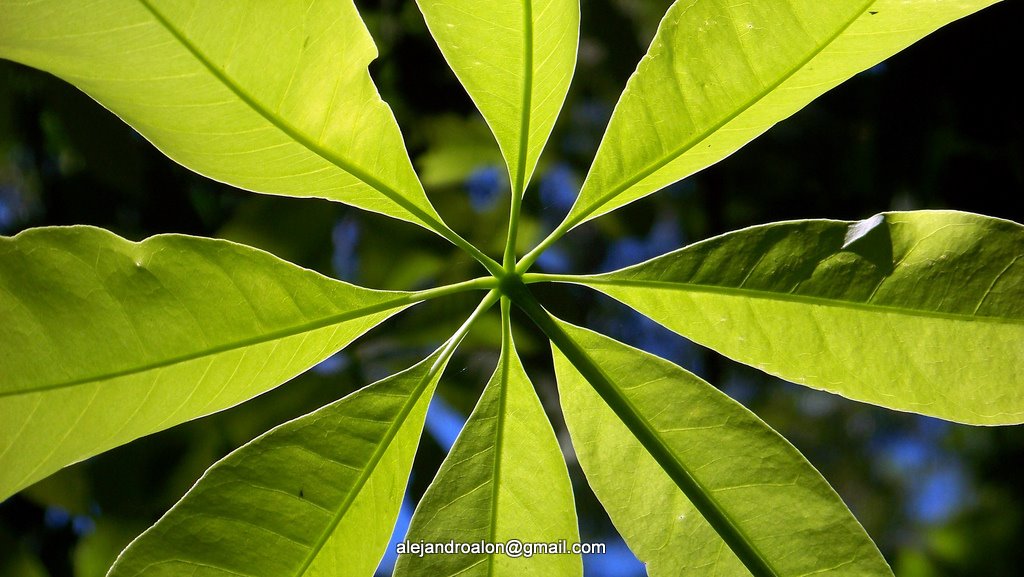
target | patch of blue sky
[
  {"x": 345, "y": 258},
  {"x": 484, "y": 186},
  {"x": 616, "y": 561},
  {"x": 333, "y": 364},
  {"x": 444, "y": 423}
]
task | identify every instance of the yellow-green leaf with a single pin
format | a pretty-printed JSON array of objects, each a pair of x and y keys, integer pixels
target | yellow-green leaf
[
  {"x": 273, "y": 97},
  {"x": 504, "y": 479},
  {"x": 720, "y": 73},
  {"x": 105, "y": 340},
  {"x": 516, "y": 60},
  {"x": 695, "y": 483},
  {"x": 317, "y": 496},
  {"x": 917, "y": 311}
]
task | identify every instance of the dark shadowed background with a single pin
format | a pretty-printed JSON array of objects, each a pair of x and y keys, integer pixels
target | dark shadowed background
[{"x": 937, "y": 126}]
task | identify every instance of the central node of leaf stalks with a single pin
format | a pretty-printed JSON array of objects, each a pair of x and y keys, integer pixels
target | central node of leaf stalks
[{"x": 511, "y": 285}]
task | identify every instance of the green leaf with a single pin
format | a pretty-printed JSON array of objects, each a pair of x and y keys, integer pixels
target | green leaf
[
  {"x": 705, "y": 475},
  {"x": 316, "y": 496},
  {"x": 273, "y": 97},
  {"x": 516, "y": 60},
  {"x": 917, "y": 311},
  {"x": 104, "y": 340},
  {"x": 505, "y": 478},
  {"x": 718, "y": 74}
]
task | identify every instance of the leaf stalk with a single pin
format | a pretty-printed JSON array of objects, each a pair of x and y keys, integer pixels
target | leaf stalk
[{"x": 481, "y": 283}]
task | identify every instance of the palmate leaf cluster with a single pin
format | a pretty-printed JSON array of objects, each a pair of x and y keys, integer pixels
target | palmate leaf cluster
[{"x": 105, "y": 340}]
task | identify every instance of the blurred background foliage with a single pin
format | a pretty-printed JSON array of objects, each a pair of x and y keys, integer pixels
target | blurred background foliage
[{"x": 937, "y": 126}]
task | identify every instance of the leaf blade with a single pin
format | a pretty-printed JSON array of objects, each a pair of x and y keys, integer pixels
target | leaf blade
[
  {"x": 227, "y": 91},
  {"x": 101, "y": 334},
  {"x": 890, "y": 310},
  {"x": 498, "y": 49},
  {"x": 714, "y": 474},
  {"x": 504, "y": 478},
  {"x": 313, "y": 496},
  {"x": 708, "y": 84}
]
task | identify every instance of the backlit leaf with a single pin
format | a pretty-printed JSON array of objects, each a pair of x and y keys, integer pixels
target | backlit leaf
[
  {"x": 720, "y": 73},
  {"x": 918, "y": 311},
  {"x": 316, "y": 496},
  {"x": 504, "y": 478},
  {"x": 273, "y": 97},
  {"x": 693, "y": 481},
  {"x": 516, "y": 60},
  {"x": 105, "y": 340}
]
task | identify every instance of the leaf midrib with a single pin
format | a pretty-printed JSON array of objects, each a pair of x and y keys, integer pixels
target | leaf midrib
[
  {"x": 371, "y": 466},
  {"x": 737, "y": 540},
  {"x": 702, "y": 498},
  {"x": 701, "y": 137},
  {"x": 527, "y": 97},
  {"x": 282, "y": 125},
  {"x": 223, "y": 348},
  {"x": 654, "y": 436},
  {"x": 594, "y": 282},
  {"x": 499, "y": 432}
]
